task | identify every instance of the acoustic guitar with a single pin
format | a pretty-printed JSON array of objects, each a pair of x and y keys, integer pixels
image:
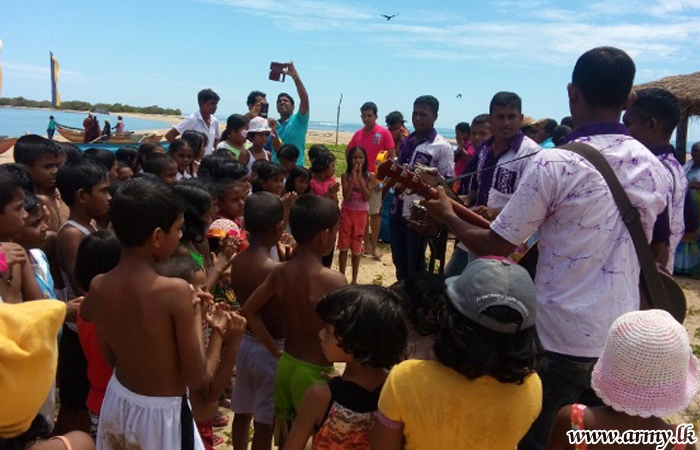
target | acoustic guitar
[
  {"x": 401, "y": 177},
  {"x": 410, "y": 182}
]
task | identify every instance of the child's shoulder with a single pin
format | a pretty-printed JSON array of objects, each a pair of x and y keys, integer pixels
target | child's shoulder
[
  {"x": 170, "y": 286},
  {"x": 333, "y": 275},
  {"x": 148, "y": 284}
]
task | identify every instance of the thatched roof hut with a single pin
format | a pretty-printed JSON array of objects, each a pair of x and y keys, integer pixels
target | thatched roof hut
[{"x": 687, "y": 89}]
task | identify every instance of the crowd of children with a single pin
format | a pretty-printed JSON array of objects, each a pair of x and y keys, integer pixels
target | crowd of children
[{"x": 175, "y": 271}]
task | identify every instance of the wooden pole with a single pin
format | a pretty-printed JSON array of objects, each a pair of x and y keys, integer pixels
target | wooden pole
[
  {"x": 337, "y": 120},
  {"x": 682, "y": 137}
]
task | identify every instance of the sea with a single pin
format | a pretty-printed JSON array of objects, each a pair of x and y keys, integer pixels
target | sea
[{"x": 15, "y": 122}]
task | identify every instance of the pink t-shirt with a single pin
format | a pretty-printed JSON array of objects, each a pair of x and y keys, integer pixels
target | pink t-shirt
[
  {"x": 373, "y": 142},
  {"x": 355, "y": 202},
  {"x": 321, "y": 187},
  {"x": 461, "y": 165}
]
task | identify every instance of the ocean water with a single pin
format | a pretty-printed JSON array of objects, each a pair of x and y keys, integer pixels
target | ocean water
[
  {"x": 18, "y": 121},
  {"x": 352, "y": 127}
]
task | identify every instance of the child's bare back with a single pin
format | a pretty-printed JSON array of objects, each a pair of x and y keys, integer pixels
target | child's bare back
[
  {"x": 146, "y": 323},
  {"x": 300, "y": 283},
  {"x": 250, "y": 269}
]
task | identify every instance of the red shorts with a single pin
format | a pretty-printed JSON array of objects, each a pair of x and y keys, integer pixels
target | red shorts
[{"x": 352, "y": 230}]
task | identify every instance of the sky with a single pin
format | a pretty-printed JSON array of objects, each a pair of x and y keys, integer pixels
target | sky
[{"x": 164, "y": 51}]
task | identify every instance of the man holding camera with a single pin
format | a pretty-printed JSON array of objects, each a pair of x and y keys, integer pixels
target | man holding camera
[{"x": 291, "y": 126}]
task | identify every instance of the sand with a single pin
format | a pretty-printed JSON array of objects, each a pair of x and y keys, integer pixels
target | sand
[{"x": 382, "y": 272}]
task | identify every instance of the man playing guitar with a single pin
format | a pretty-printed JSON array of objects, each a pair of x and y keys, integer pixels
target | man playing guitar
[
  {"x": 588, "y": 270},
  {"x": 423, "y": 147}
]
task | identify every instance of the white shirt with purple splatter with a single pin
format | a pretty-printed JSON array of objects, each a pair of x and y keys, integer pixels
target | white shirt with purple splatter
[
  {"x": 678, "y": 186},
  {"x": 588, "y": 272}
]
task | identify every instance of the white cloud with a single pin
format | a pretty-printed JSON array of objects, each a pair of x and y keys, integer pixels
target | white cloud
[
  {"x": 300, "y": 8},
  {"x": 34, "y": 71},
  {"x": 663, "y": 7},
  {"x": 531, "y": 31}
]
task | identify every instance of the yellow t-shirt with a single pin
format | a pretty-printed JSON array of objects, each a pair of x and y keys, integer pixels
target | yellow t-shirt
[{"x": 442, "y": 409}]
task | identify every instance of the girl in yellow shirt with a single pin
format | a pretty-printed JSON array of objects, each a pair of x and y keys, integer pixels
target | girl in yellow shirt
[{"x": 482, "y": 391}]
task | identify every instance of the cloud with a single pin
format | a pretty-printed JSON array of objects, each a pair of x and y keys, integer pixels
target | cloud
[
  {"x": 300, "y": 8},
  {"x": 34, "y": 71},
  {"x": 522, "y": 32},
  {"x": 674, "y": 6}
]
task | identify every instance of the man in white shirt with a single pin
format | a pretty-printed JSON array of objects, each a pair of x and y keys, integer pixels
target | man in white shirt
[
  {"x": 588, "y": 271},
  {"x": 423, "y": 147},
  {"x": 202, "y": 120}
]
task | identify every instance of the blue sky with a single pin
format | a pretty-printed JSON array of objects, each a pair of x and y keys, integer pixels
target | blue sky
[{"x": 164, "y": 51}]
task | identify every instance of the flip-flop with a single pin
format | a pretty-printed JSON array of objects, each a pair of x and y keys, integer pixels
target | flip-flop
[{"x": 219, "y": 421}]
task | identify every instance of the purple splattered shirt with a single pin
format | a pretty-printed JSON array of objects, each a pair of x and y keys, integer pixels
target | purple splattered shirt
[
  {"x": 435, "y": 151},
  {"x": 678, "y": 186},
  {"x": 588, "y": 272}
]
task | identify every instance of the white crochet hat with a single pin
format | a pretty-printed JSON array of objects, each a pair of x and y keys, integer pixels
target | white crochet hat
[
  {"x": 647, "y": 367},
  {"x": 258, "y": 124}
]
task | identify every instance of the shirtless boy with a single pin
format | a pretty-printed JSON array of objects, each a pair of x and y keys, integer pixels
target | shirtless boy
[
  {"x": 299, "y": 283},
  {"x": 254, "y": 392},
  {"x": 148, "y": 327},
  {"x": 85, "y": 189}
]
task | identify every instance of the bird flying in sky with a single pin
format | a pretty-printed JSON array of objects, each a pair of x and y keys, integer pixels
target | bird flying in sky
[
  {"x": 387, "y": 17},
  {"x": 459, "y": 95}
]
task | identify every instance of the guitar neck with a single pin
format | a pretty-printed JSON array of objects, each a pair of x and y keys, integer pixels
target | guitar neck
[
  {"x": 469, "y": 216},
  {"x": 459, "y": 209}
]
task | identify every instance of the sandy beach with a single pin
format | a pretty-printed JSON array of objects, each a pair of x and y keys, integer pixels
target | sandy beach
[
  {"x": 312, "y": 136},
  {"x": 382, "y": 272}
]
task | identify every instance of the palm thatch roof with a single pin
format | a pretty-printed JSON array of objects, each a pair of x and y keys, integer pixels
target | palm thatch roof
[{"x": 685, "y": 87}]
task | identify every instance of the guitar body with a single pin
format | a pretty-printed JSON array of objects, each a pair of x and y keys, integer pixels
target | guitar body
[
  {"x": 674, "y": 292},
  {"x": 676, "y": 296}
]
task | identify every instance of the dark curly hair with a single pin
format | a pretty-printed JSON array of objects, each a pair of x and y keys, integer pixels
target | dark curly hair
[
  {"x": 368, "y": 322},
  {"x": 98, "y": 253},
  {"x": 322, "y": 162},
  {"x": 230, "y": 169},
  {"x": 475, "y": 351},
  {"x": 420, "y": 297},
  {"x": 196, "y": 202}
]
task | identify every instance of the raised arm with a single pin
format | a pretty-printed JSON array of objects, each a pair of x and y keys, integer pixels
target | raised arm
[
  {"x": 171, "y": 134},
  {"x": 188, "y": 333},
  {"x": 220, "y": 362},
  {"x": 301, "y": 90},
  {"x": 251, "y": 311},
  {"x": 478, "y": 240}
]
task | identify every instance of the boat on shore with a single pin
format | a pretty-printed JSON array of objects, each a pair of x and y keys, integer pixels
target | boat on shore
[
  {"x": 6, "y": 143},
  {"x": 77, "y": 135}
]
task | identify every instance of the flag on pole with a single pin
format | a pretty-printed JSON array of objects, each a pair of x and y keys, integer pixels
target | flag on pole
[
  {"x": 0, "y": 71},
  {"x": 55, "y": 96}
]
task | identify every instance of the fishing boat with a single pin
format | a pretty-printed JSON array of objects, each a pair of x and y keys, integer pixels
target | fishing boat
[
  {"x": 6, "y": 143},
  {"x": 77, "y": 135}
]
